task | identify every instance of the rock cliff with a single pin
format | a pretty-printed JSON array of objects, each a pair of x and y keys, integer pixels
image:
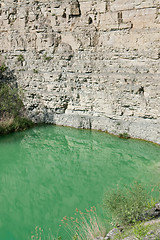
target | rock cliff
[{"x": 86, "y": 63}]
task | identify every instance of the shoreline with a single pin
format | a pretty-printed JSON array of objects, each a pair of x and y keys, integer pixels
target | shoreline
[{"x": 43, "y": 124}]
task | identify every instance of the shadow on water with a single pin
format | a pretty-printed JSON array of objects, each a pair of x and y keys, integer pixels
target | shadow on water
[{"x": 47, "y": 172}]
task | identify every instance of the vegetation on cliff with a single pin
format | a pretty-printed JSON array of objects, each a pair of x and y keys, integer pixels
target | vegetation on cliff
[{"x": 12, "y": 110}]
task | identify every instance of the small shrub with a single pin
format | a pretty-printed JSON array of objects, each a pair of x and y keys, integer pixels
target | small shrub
[
  {"x": 46, "y": 58},
  {"x": 22, "y": 123},
  {"x": 20, "y": 58},
  {"x": 3, "y": 67},
  {"x": 35, "y": 70},
  {"x": 124, "y": 135},
  {"x": 126, "y": 206}
]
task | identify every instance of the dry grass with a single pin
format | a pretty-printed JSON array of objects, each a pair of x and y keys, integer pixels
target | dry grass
[
  {"x": 6, "y": 121},
  {"x": 84, "y": 226},
  {"x": 38, "y": 234}
]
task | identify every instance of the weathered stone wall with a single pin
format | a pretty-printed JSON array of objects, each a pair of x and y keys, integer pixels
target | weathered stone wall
[{"x": 87, "y": 63}]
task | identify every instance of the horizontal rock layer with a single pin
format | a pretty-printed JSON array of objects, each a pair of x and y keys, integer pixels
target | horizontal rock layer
[{"x": 87, "y": 64}]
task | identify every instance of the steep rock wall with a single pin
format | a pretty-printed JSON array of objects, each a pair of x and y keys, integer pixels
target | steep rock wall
[{"x": 86, "y": 63}]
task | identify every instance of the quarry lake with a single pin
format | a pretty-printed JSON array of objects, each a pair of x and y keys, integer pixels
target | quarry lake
[{"x": 49, "y": 171}]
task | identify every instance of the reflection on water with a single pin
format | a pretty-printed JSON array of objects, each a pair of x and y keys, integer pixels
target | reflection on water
[{"x": 47, "y": 172}]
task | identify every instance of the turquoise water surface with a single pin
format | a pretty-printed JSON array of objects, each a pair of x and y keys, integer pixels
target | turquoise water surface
[{"x": 47, "y": 172}]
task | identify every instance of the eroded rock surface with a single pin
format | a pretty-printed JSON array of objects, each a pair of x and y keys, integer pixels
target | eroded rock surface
[{"x": 86, "y": 63}]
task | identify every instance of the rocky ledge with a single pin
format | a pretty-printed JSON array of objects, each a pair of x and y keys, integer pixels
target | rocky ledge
[{"x": 148, "y": 228}]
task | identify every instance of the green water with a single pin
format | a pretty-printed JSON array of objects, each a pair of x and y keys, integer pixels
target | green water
[{"x": 48, "y": 172}]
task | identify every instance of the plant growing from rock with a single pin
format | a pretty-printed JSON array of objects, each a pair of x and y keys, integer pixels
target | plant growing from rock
[
  {"x": 20, "y": 58},
  {"x": 35, "y": 70},
  {"x": 124, "y": 135},
  {"x": 46, "y": 58},
  {"x": 3, "y": 68}
]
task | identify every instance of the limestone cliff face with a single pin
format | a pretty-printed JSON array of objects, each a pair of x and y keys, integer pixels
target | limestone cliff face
[{"x": 87, "y": 63}]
